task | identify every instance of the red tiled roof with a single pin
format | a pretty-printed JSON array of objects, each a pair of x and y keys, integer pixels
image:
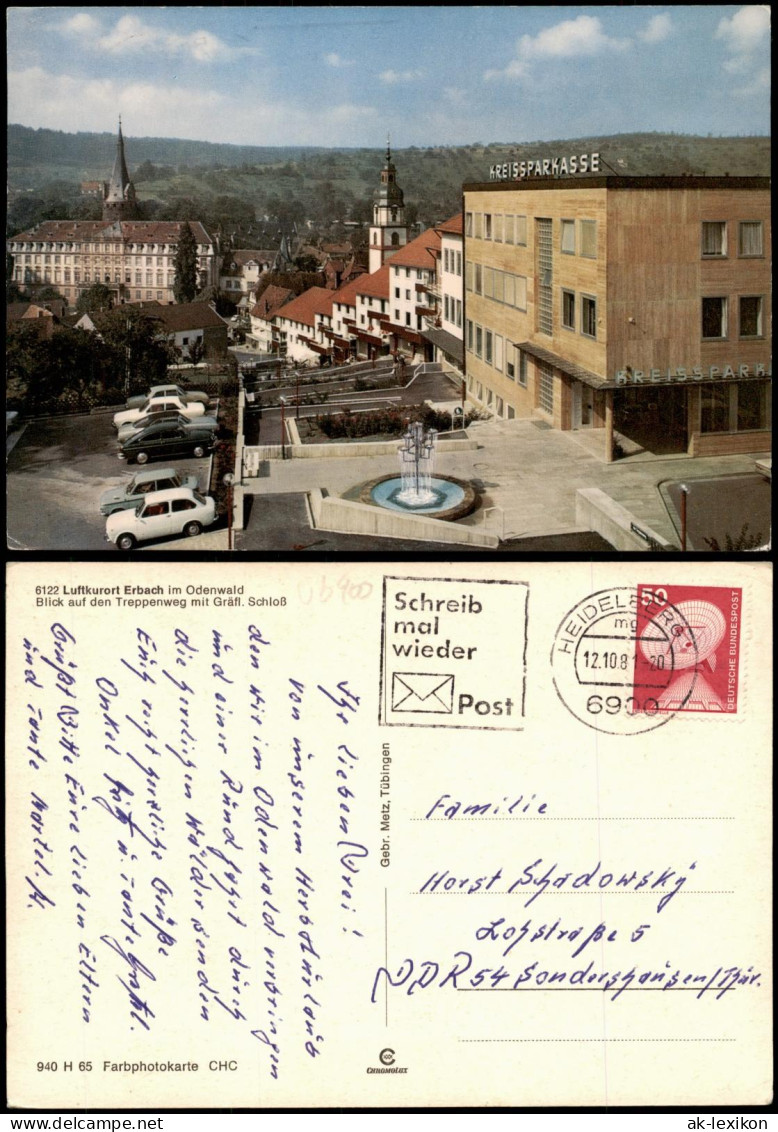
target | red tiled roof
[
  {"x": 421, "y": 252},
  {"x": 316, "y": 300},
  {"x": 270, "y": 300},
  {"x": 454, "y": 225},
  {"x": 376, "y": 285},
  {"x": 130, "y": 231}
]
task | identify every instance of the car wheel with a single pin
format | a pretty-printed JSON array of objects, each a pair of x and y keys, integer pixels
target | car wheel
[
  {"x": 142, "y": 457},
  {"x": 192, "y": 529},
  {"x": 198, "y": 451},
  {"x": 126, "y": 541}
]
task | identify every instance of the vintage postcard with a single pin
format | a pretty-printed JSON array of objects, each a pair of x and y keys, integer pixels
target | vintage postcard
[{"x": 385, "y": 835}]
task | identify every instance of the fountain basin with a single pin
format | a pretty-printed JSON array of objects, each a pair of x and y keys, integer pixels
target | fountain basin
[{"x": 443, "y": 497}]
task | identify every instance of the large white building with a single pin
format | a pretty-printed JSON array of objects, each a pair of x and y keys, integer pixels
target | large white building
[{"x": 134, "y": 258}]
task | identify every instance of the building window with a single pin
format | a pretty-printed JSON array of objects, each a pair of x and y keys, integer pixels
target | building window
[
  {"x": 714, "y": 238},
  {"x": 488, "y": 282},
  {"x": 588, "y": 234},
  {"x": 397, "y": 292},
  {"x": 499, "y": 286},
  {"x": 750, "y": 316},
  {"x": 396, "y": 316},
  {"x": 588, "y": 316},
  {"x": 521, "y": 230},
  {"x": 545, "y": 387},
  {"x": 568, "y": 309},
  {"x": 459, "y": 312},
  {"x": 750, "y": 238},
  {"x": 468, "y": 223},
  {"x": 459, "y": 263},
  {"x": 487, "y": 225},
  {"x": 544, "y": 269},
  {"x": 568, "y": 237},
  {"x": 478, "y": 226},
  {"x": 753, "y": 405},
  {"x": 714, "y": 408},
  {"x": 522, "y": 368},
  {"x": 470, "y": 334},
  {"x": 407, "y": 273},
  {"x": 498, "y": 227},
  {"x": 508, "y": 227},
  {"x": 395, "y": 240},
  {"x": 407, "y": 296},
  {"x": 498, "y": 352},
  {"x": 478, "y": 279},
  {"x": 479, "y": 341},
  {"x": 489, "y": 347},
  {"x": 407, "y": 318},
  {"x": 510, "y": 361},
  {"x": 521, "y": 292},
  {"x": 511, "y": 413},
  {"x": 714, "y": 317}
]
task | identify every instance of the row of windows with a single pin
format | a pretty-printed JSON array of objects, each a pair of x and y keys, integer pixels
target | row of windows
[
  {"x": 588, "y": 313},
  {"x": 715, "y": 316},
  {"x": 407, "y": 273},
  {"x": 737, "y": 407},
  {"x": 105, "y": 249},
  {"x": 501, "y": 286},
  {"x": 497, "y": 352},
  {"x": 452, "y": 261},
  {"x": 503, "y": 228},
  {"x": 750, "y": 239},
  {"x": 452, "y": 310}
]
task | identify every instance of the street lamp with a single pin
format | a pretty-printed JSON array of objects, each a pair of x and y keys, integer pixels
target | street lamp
[
  {"x": 228, "y": 479},
  {"x": 282, "y": 403},
  {"x": 684, "y": 494}
]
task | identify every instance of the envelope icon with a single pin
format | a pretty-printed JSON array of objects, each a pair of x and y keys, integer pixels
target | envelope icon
[{"x": 423, "y": 692}]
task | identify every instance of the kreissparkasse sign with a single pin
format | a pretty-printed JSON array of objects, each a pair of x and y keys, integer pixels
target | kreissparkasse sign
[
  {"x": 546, "y": 167},
  {"x": 667, "y": 376}
]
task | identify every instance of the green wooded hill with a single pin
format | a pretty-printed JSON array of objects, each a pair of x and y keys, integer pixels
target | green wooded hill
[{"x": 238, "y": 184}]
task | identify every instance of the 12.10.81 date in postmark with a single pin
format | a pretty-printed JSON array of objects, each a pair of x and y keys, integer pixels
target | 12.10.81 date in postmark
[{"x": 626, "y": 659}]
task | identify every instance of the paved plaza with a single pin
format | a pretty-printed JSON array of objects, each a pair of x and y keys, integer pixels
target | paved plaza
[{"x": 530, "y": 473}]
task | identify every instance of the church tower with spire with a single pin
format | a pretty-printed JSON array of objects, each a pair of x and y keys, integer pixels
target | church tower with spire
[
  {"x": 388, "y": 232},
  {"x": 119, "y": 201}
]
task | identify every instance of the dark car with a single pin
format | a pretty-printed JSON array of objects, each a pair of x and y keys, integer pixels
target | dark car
[{"x": 166, "y": 440}]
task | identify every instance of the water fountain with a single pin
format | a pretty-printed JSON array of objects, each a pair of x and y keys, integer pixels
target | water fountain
[{"x": 416, "y": 490}]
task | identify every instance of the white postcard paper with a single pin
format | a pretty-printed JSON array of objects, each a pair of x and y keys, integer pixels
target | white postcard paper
[{"x": 385, "y": 835}]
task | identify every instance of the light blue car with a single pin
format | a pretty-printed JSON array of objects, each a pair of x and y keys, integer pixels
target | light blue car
[{"x": 132, "y": 493}]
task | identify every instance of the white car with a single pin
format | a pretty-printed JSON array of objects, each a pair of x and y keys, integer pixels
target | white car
[
  {"x": 176, "y": 511},
  {"x": 187, "y": 395},
  {"x": 159, "y": 405}
]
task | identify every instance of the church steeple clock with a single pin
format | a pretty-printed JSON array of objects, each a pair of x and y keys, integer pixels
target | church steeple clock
[{"x": 388, "y": 232}]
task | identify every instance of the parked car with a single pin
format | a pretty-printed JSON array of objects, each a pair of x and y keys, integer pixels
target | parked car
[
  {"x": 126, "y": 430},
  {"x": 142, "y": 483},
  {"x": 167, "y": 440},
  {"x": 177, "y": 511},
  {"x": 159, "y": 405},
  {"x": 189, "y": 395}
]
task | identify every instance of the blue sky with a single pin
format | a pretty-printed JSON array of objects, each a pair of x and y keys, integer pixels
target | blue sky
[{"x": 340, "y": 76}]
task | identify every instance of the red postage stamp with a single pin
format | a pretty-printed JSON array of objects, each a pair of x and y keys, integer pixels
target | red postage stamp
[{"x": 688, "y": 646}]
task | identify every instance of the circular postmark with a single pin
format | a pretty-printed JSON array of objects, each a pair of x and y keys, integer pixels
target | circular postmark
[{"x": 624, "y": 660}]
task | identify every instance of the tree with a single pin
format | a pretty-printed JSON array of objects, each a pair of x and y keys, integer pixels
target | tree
[
  {"x": 185, "y": 283},
  {"x": 139, "y": 352},
  {"x": 98, "y": 297}
]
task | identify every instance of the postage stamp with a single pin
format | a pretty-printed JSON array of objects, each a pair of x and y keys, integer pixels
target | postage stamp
[
  {"x": 626, "y": 660},
  {"x": 454, "y": 653},
  {"x": 706, "y": 652}
]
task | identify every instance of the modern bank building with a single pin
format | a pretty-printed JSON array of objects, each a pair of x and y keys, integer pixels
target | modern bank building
[{"x": 639, "y": 306}]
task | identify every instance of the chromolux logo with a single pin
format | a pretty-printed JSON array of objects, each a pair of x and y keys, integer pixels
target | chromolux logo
[{"x": 386, "y": 1057}]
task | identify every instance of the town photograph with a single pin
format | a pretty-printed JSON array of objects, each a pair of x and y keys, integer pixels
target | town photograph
[{"x": 422, "y": 280}]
